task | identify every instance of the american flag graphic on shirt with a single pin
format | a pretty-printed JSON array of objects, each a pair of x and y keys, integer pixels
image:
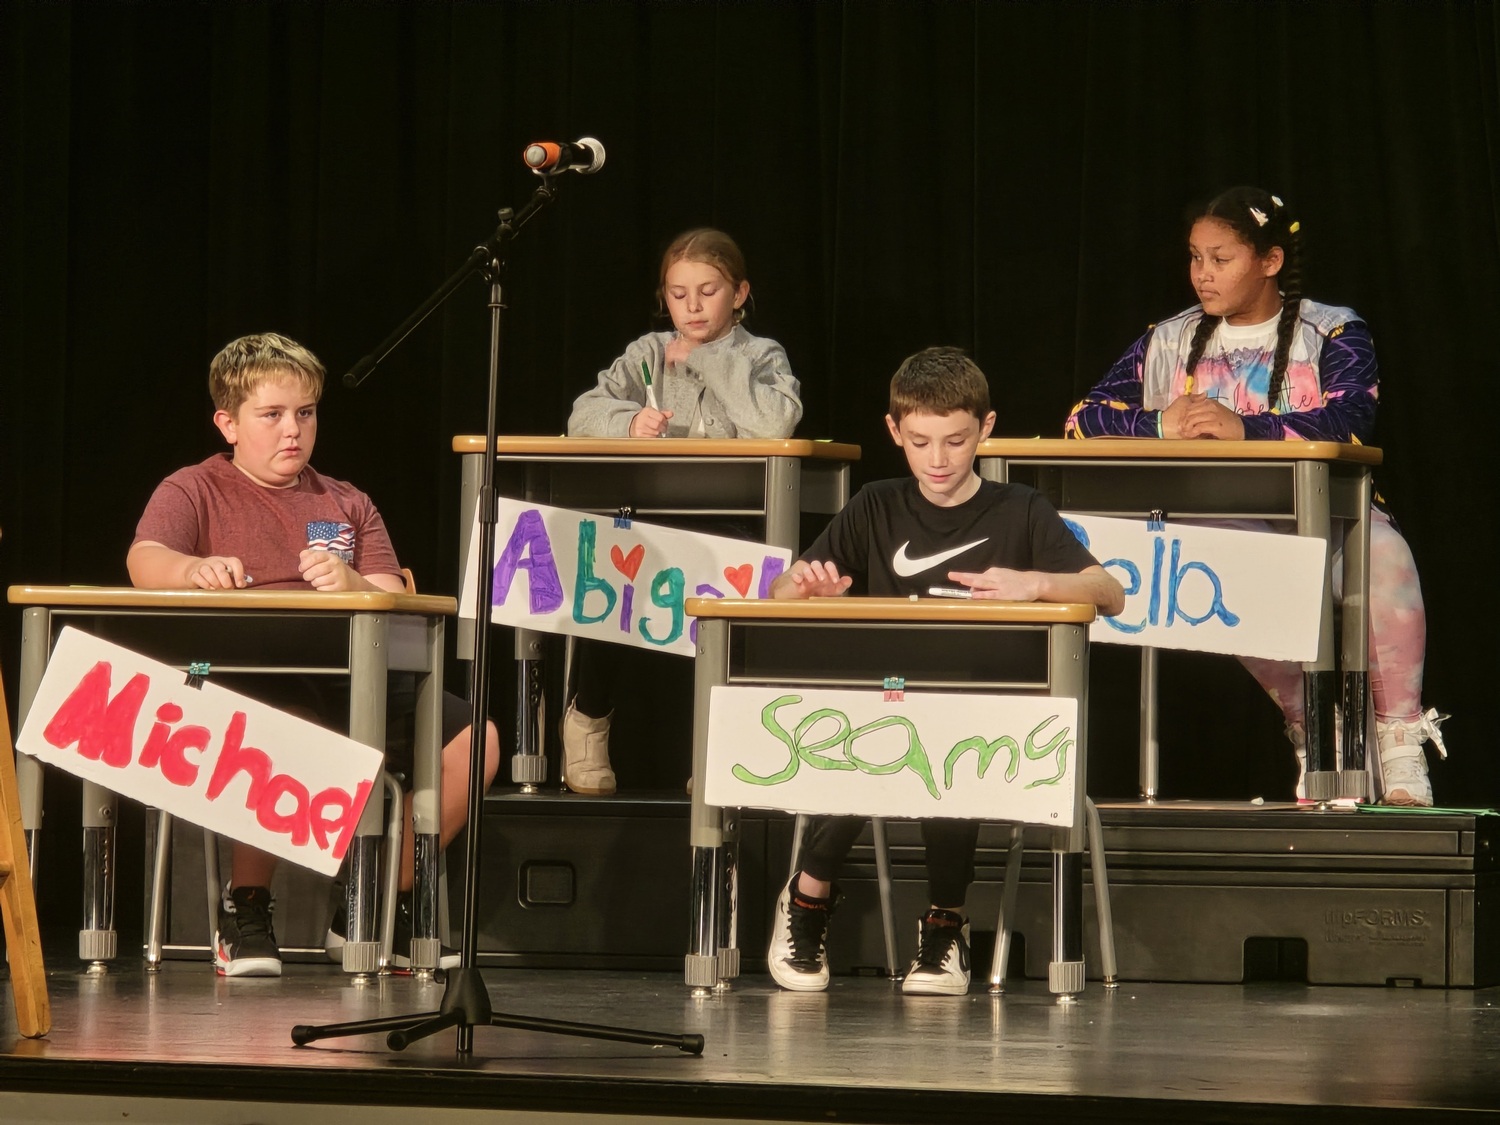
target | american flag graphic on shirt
[{"x": 335, "y": 538}]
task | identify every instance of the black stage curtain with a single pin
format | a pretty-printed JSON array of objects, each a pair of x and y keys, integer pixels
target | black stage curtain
[{"x": 1008, "y": 177}]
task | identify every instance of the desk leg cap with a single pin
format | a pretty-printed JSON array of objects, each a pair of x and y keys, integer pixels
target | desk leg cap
[
  {"x": 700, "y": 970},
  {"x": 1065, "y": 978}
]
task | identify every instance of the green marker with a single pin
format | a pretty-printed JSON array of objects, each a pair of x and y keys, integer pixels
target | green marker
[{"x": 650, "y": 390}]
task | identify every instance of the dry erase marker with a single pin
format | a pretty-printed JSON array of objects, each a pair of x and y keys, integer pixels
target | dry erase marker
[
  {"x": 650, "y": 390},
  {"x": 950, "y": 591}
]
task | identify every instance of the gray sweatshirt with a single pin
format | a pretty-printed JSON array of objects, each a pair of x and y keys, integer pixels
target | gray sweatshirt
[{"x": 738, "y": 386}]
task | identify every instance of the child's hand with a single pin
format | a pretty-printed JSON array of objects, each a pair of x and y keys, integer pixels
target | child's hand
[
  {"x": 817, "y": 580},
  {"x": 678, "y": 349},
  {"x": 1000, "y": 584},
  {"x": 1209, "y": 418},
  {"x": 326, "y": 572},
  {"x": 650, "y": 423},
  {"x": 218, "y": 572},
  {"x": 1173, "y": 417}
]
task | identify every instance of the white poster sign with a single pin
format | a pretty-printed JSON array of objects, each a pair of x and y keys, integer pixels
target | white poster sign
[
  {"x": 208, "y": 755},
  {"x": 815, "y": 750},
  {"x": 1209, "y": 589},
  {"x": 560, "y": 571}
]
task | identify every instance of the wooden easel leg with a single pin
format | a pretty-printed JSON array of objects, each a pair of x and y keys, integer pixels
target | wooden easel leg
[{"x": 23, "y": 938}]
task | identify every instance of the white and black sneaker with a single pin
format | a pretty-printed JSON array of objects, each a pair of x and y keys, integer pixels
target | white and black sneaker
[
  {"x": 942, "y": 964},
  {"x": 799, "y": 953},
  {"x": 338, "y": 935},
  {"x": 245, "y": 945}
]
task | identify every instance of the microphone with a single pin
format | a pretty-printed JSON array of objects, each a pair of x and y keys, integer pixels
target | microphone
[{"x": 584, "y": 155}]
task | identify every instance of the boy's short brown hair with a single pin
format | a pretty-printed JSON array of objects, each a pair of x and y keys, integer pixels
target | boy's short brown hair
[
  {"x": 939, "y": 381},
  {"x": 246, "y": 363}
]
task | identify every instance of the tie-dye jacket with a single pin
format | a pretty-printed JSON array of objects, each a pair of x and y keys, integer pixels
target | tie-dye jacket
[{"x": 1328, "y": 394}]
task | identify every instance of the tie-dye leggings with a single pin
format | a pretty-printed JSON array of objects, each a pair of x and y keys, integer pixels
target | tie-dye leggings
[{"x": 1398, "y": 632}]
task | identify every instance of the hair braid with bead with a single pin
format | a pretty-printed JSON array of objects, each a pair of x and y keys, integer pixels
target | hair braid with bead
[{"x": 1263, "y": 222}]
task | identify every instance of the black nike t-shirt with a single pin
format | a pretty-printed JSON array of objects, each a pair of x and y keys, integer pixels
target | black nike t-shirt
[{"x": 894, "y": 542}]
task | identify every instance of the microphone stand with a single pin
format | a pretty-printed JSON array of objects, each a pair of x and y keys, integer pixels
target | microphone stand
[{"x": 466, "y": 1001}]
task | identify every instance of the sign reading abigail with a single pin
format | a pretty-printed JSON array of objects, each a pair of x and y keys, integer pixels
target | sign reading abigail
[
  {"x": 560, "y": 571},
  {"x": 990, "y": 757},
  {"x": 205, "y": 754},
  {"x": 1209, "y": 589}
]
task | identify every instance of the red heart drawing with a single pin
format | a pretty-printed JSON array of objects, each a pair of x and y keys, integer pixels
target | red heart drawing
[
  {"x": 629, "y": 564},
  {"x": 739, "y": 578}
]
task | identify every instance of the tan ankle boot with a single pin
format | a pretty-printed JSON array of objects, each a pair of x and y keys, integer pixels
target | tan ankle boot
[{"x": 586, "y": 754}]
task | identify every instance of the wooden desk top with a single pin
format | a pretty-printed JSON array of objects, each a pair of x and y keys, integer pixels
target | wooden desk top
[
  {"x": 127, "y": 597},
  {"x": 1161, "y": 449},
  {"x": 938, "y": 611},
  {"x": 659, "y": 447}
]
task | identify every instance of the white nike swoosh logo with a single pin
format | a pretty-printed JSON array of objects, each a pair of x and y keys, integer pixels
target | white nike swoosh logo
[{"x": 906, "y": 567}]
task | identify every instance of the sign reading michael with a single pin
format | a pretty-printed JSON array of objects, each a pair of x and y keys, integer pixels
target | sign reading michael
[{"x": 208, "y": 755}]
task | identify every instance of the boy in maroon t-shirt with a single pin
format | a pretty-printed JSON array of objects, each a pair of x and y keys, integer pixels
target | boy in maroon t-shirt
[{"x": 262, "y": 516}]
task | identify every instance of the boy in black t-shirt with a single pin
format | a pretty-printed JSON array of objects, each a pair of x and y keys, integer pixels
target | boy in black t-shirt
[{"x": 900, "y": 537}]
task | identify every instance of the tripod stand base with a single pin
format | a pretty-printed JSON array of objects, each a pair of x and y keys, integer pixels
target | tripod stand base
[{"x": 466, "y": 1005}]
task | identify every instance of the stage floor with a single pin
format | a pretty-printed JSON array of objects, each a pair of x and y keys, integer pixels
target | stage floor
[{"x": 186, "y": 1045}]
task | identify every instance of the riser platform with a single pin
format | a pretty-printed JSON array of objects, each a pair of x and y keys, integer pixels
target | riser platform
[{"x": 1200, "y": 893}]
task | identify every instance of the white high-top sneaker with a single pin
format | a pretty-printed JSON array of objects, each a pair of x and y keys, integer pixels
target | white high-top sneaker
[
  {"x": 1403, "y": 766},
  {"x": 1298, "y": 738},
  {"x": 586, "y": 768}
]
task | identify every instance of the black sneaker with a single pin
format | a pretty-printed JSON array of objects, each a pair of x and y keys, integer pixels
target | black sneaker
[
  {"x": 942, "y": 964},
  {"x": 799, "y": 953},
  {"x": 245, "y": 945}
]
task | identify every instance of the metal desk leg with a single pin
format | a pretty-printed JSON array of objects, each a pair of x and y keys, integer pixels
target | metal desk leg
[
  {"x": 705, "y": 825},
  {"x": 471, "y": 479},
  {"x": 368, "y": 666},
  {"x": 726, "y": 908},
  {"x": 887, "y": 894},
  {"x": 1067, "y": 676},
  {"x": 97, "y": 939},
  {"x": 783, "y": 502},
  {"x": 391, "y": 796},
  {"x": 1319, "y": 679},
  {"x": 159, "y": 864},
  {"x": 1014, "y": 855},
  {"x": 528, "y": 765},
  {"x": 426, "y": 807},
  {"x": 1065, "y": 974},
  {"x": 1104, "y": 914},
  {"x": 1150, "y": 774},
  {"x": 36, "y": 647},
  {"x": 213, "y": 884},
  {"x": 1354, "y": 775}
]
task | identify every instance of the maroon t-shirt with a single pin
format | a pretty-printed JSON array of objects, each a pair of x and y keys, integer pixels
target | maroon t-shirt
[{"x": 214, "y": 509}]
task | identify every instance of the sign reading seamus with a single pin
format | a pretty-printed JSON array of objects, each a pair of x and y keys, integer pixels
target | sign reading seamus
[
  {"x": 205, "y": 754},
  {"x": 1209, "y": 589},
  {"x": 560, "y": 571},
  {"x": 991, "y": 757}
]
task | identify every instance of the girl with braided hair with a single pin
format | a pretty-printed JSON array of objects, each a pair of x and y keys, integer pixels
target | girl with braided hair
[{"x": 1256, "y": 361}]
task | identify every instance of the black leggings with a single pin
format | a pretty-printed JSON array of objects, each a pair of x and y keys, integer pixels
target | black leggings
[{"x": 950, "y": 853}]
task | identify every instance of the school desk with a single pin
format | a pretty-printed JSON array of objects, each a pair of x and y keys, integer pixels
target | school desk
[
  {"x": 360, "y": 635},
  {"x": 1310, "y": 483},
  {"x": 1014, "y": 648},
  {"x": 773, "y": 482}
]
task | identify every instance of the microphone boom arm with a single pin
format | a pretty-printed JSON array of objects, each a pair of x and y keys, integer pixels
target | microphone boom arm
[{"x": 483, "y": 255}]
